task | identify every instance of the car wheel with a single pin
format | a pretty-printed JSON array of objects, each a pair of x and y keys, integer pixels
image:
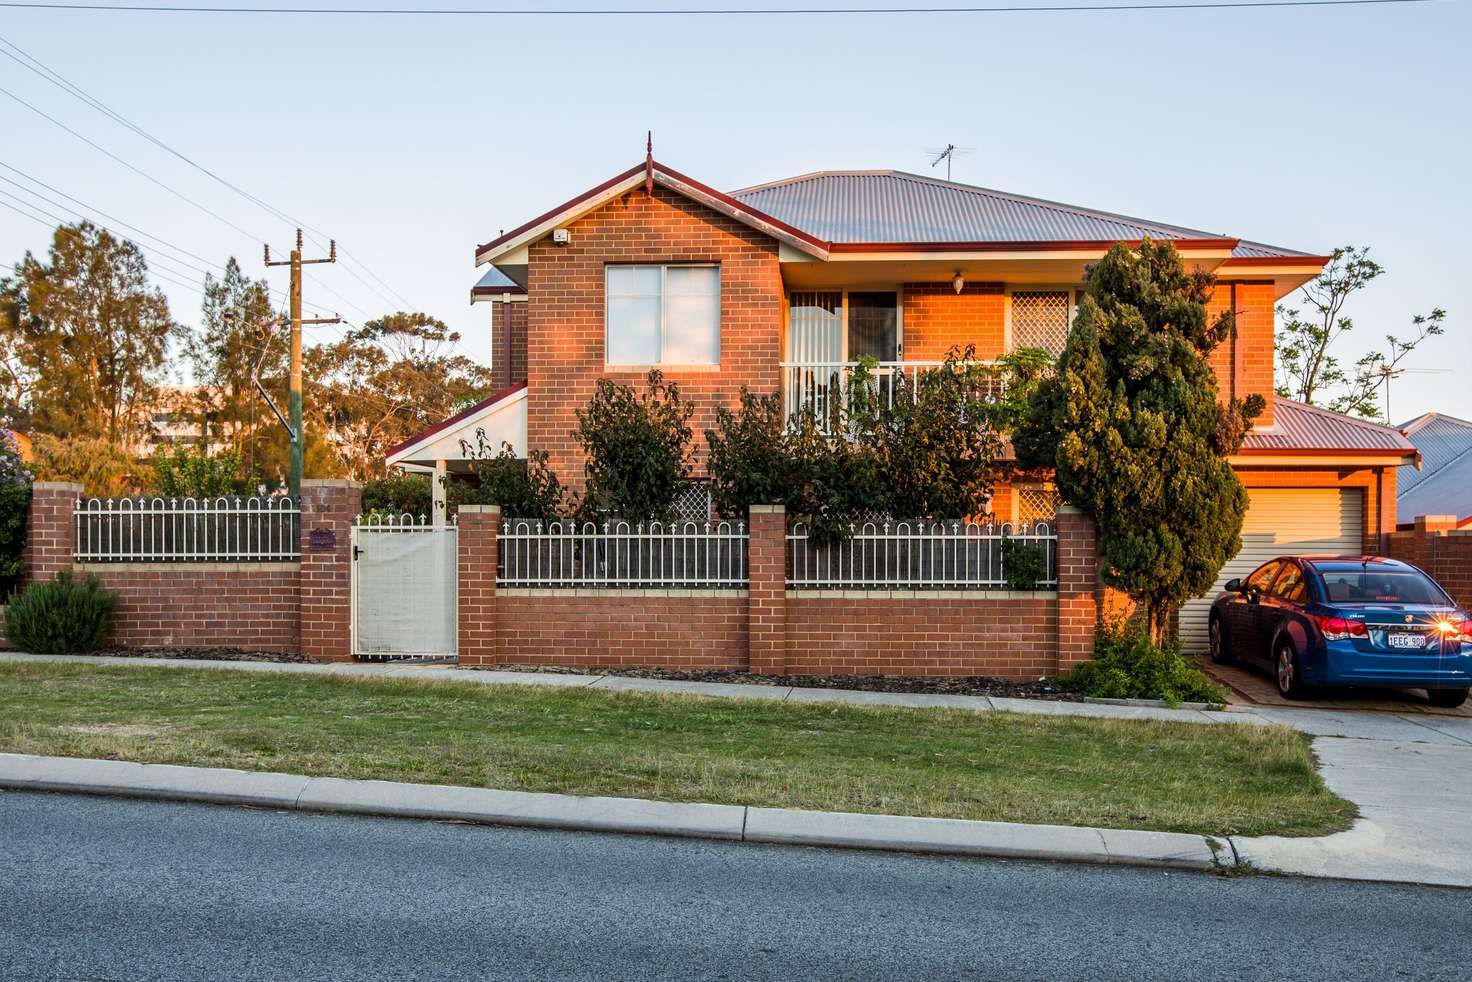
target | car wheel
[
  {"x": 1447, "y": 698},
  {"x": 1290, "y": 683},
  {"x": 1217, "y": 638}
]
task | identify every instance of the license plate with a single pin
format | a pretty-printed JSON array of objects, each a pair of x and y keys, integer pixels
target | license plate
[{"x": 1407, "y": 641}]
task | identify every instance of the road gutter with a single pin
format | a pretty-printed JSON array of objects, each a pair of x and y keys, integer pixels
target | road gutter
[{"x": 898, "y": 833}]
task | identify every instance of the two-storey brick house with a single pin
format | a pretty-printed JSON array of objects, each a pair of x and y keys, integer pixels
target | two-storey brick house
[{"x": 782, "y": 287}]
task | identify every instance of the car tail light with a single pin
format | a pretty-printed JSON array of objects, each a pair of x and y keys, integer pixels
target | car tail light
[
  {"x": 1339, "y": 628},
  {"x": 1456, "y": 630}
]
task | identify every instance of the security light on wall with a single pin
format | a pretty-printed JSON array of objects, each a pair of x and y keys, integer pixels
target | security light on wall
[
  {"x": 561, "y": 236},
  {"x": 958, "y": 282}
]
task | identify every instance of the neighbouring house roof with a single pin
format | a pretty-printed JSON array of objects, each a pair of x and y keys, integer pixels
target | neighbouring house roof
[
  {"x": 1299, "y": 428},
  {"x": 1443, "y": 486},
  {"x": 502, "y": 417}
]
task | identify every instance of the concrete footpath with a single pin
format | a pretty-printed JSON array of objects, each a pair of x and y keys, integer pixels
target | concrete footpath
[{"x": 1410, "y": 774}]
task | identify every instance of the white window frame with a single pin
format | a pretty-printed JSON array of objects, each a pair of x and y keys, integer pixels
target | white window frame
[
  {"x": 664, "y": 269},
  {"x": 1010, "y": 288},
  {"x": 899, "y": 318}
]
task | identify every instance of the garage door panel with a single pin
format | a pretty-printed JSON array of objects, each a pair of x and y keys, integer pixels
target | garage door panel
[{"x": 1282, "y": 521}]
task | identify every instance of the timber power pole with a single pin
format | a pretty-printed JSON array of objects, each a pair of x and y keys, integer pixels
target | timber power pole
[{"x": 294, "y": 408}]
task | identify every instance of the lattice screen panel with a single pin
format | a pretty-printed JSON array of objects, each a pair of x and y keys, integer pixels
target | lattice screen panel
[
  {"x": 693, "y": 502},
  {"x": 1040, "y": 319},
  {"x": 1036, "y": 503}
]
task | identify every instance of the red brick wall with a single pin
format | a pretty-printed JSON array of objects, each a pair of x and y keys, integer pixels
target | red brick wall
[
  {"x": 517, "y": 366},
  {"x": 605, "y": 630},
  {"x": 326, "y": 574},
  {"x": 766, "y": 565},
  {"x": 1244, "y": 362},
  {"x": 1442, "y": 550},
  {"x": 477, "y": 543},
  {"x": 937, "y": 319},
  {"x": 950, "y": 636},
  {"x": 565, "y": 329},
  {"x": 51, "y": 534},
  {"x": 1079, "y": 591},
  {"x": 228, "y": 605}
]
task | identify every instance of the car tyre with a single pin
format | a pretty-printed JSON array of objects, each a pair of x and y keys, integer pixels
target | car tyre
[
  {"x": 1286, "y": 671},
  {"x": 1221, "y": 652},
  {"x": 1447, "y": 698}
]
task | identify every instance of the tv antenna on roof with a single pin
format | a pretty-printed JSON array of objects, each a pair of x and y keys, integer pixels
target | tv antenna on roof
[{"x": 948, "y": 153}]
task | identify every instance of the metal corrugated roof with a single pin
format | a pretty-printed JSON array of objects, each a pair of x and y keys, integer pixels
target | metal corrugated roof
[
  {"x": 1443, "y": 486},
  {"x": 1261, "y": 250},
  {"x": 1300, "y": 427},
  {"x": 494, "y": 279},
  {"x": 893, "y": 206}
]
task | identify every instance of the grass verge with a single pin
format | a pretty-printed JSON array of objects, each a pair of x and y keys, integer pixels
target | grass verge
[{"x": 1185, "y": 777}]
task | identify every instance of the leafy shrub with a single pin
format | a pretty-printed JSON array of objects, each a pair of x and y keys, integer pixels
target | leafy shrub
[
  {"x": 1128, "y": 665},
  {"x": 15, "y": 507},
  {"x": 397, "y": 494},
  {"x": 98, "y": 464},
  {"x": 1023, "y": 564},
  {"x": 60, "y": 616},
  {"x": 523, "y": 488},
  {"x": 193, "y": 472},
  {"x": 637, "y": 446},
  {"x": 750, "y": 461}
]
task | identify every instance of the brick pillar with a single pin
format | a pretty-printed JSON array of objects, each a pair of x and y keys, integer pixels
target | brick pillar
[
  {"x": 329, "y": 509},
  {"x": 480, "y": 525},
  {"x": 1078, "y": 587},
  {"x": 766, "y": 591},
  {"x": 51, "y": 533}
]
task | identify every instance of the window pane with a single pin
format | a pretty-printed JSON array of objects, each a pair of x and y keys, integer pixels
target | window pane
[
  {"x": 873, "y": 326},
  {"x": 815, "y": 327},
  {"x": 632, "y": 315},
  {"x": 692, "y": 312}
]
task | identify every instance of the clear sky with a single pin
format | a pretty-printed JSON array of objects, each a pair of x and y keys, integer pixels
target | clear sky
[{"x": 412, "y": 139}]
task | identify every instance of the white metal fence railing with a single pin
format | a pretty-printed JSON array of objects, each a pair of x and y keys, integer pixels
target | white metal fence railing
[
  {"x": 124, "y": 530},
  {"x": 611, "y": 555},
  {"x": 918, "y": 555},
  {"x": 822, "y": 386}
]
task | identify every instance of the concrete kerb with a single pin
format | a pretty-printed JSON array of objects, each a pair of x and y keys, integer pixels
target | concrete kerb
[{"x": 600, "y": 814}]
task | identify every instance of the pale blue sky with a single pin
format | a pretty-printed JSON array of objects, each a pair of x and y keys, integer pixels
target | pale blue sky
[{"x": 413, "y": 139}]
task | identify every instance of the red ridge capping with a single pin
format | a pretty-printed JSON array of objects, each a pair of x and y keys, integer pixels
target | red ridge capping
[
  {"x": 1024, "y": 246},
  {"x": 485, "y": 403},
  {"x": 591, "y": 193}
]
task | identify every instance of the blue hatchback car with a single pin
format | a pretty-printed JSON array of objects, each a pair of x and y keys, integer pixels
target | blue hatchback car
[{"x": 1346, "y": 620}]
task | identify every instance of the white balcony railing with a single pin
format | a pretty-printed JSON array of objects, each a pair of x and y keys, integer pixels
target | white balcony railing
[{"x": 822, "y": 386}]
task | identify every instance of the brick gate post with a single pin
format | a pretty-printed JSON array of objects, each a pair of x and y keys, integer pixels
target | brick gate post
[
  {"x": 480, "y": 529},
  {"x": 329, "y": 508},
  {"x": 51, "y": 532},
  {"x": 766, "y": 590},
  {"x": 1078, "y": 586}
]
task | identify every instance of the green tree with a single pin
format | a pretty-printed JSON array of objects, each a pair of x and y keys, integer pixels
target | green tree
[
  {"x": 240, "y": 339},
  {"x": 90, "y": 336},
  {"x": 1309, "y": 366},
  {"x": 1133, "y": 427},
  {"x": 103, "y": 468},
  {"x": 15, "y": 504},
  {"x": 383, "y": 383},
  {"x": 637, "y": 446},
  {"x": 193, "y": 472}
]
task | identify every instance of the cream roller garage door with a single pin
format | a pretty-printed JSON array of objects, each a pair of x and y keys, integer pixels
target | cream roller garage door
[{"x": 1279, "y": 522}]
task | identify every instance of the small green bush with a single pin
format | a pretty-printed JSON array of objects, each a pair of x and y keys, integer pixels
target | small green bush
[
  {"x": 397, "y": 494},
  {"x": 1023, "y": 564},
  {"x": 1128, "y": 665},
  {"x": 61, "y": 616}
]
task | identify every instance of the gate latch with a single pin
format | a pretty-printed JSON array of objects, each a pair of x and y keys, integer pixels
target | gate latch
[{"x": 357, "y": 552}]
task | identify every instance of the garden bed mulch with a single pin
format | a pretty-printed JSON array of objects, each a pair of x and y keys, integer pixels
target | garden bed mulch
[
  {"x": 951, "y": 685},
  {"x": 202, "y": 654}
]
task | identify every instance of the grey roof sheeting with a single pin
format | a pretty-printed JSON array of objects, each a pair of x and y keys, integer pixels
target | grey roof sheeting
[
  {"x": 494, "y": 279},
  {"x": 1301, "y": 427},
  {"x": 1443, "y": 486},
  {"x": 893, "y": 206}
]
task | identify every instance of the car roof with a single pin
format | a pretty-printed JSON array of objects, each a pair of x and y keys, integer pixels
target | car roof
[{"x": 1342, "y": 563}]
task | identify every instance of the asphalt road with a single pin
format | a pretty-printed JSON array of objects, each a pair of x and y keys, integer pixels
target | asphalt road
[{"x": 98, "y": 888}]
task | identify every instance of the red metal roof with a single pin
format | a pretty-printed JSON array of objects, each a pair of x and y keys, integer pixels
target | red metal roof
[{"x": 1299, "y": 428}]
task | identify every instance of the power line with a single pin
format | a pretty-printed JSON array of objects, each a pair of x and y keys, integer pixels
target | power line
[
  {"x": 34, "y": 65},
  {"x": 136, "y": 170},
  {"x": 698, "y": 11}
]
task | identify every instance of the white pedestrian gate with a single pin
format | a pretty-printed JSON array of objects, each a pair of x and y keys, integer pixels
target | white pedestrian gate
[{"x": 405, "y": 589}]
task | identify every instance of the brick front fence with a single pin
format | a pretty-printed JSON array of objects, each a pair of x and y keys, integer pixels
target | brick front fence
[
  {"x": 769, "y": 626},
  {"x": 1442, "y": 550}
]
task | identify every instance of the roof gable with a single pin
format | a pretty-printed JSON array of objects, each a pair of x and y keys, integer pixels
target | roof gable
[
  {"x": 1300, "y": 428},
  {"x": 1445, "y": 443}
]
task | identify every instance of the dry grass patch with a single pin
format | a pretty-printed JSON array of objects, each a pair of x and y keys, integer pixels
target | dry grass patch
[{"x": 1222, "y": 779}]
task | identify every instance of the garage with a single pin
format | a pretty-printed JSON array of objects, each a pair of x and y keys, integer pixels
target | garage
[{"x": 1283, "y": 521}]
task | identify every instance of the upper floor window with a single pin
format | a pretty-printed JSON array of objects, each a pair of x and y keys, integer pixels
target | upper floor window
[
  {"x": 1041, "y": 319},
  {"x": 663, "y": 315}
]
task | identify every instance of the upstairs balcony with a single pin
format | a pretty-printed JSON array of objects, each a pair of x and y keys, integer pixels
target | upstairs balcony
[{"x": 822, "y": 386}]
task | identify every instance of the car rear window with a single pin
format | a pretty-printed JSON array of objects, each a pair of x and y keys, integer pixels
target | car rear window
[{"x": 1372, "y": 586}]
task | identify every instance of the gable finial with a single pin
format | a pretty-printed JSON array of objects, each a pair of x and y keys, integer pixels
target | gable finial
[{"x": 649, "y": 162}]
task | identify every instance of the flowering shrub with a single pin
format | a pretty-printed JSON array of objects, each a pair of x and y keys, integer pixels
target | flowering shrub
[{"x": 15, "y": 506}]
